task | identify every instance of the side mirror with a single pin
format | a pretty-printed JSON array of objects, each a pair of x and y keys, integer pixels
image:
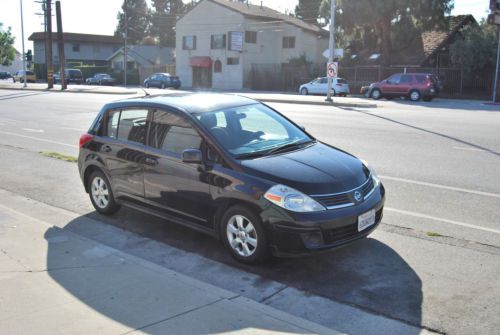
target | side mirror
[
  {"x": 192, "y": 156},
  {"x": 302, "y": 127}
]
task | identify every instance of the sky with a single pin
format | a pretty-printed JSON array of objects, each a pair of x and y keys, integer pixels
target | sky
[{"x": 99, "y": 16}]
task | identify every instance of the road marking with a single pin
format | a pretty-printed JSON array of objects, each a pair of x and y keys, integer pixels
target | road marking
[
  {"x": 444, "y": 187},
  {"x": 469, "y": 149},
  {"x": 434, "y": 218},
  {"x": 75, "y": 129},
  {"x": 34, "y": 130},
  {"x": 39, "y": 139}
]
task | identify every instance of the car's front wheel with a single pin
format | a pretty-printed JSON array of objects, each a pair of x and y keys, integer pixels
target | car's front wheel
[
  {"x": 415, "y": 95},
  {"x": 304, "y": 91},
  {"x": 101, "y": 194},
  {"x": 244, "y": 236},
  {"x": 376, "y": 94}
]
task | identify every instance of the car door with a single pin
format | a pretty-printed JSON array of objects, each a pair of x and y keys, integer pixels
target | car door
[
  {"x": 179, "y": 188},
  {"x": 155, "y": 81},
  {"x": 313, "y": 86},
  {"x": 323, "y": 86},
  {"x": 405, "y": 84},
  {"x": 390, "y": 86},
  {"x": 122, "y": 150}
]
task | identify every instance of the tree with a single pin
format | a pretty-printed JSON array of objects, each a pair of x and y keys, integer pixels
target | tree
[
  {"x": 381, "y": 16},
  {"x": 7, "y": 51},
  {"x": 476, "y": 49},
  {"x": 138, "y": 19},
  {"x": 164, "y": 17},
  {"x": 308, "y": 10}
]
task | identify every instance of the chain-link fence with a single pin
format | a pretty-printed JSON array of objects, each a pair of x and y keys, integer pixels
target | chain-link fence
[{"x": 457, "y": 82}]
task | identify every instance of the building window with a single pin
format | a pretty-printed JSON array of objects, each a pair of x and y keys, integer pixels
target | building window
[
  {"x": 76, "y": 47},
  {"x": 217, "y": 66},
  {"x": 250, "y": 37},
  {"x": 189, "y": 42},
  {"x": 218, "y": 41},
  {"x": 233, "y": 60},
  {"x": 289, "y": 42}
]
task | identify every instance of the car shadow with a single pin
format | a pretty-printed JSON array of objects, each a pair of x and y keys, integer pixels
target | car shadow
[
  {"x": 368, "y": 274},
  {"x": 468, "y": 106},
  {"x": 455, "y": 139},
  {"x": 19, "y": 95}
]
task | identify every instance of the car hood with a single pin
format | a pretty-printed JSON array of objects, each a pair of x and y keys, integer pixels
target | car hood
[{"x": 317, "y": 169}]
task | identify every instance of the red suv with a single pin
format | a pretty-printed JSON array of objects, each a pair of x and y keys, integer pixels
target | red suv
[{"x": 414, "y": 86}]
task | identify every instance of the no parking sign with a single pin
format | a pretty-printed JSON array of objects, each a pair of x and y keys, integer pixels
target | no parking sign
[{"x": 332, "y": 69}]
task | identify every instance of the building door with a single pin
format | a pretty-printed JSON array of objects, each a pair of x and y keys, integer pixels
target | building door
[{"x": 202, "y": 77}]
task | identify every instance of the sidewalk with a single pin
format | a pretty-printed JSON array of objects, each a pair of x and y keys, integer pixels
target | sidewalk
[
  {"x": 53, "y": 281},
  {"x": 269, "y": 97}
]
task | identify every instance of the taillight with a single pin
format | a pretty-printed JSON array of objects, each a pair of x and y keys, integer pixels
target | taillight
[{"x": 85, "y": 138}]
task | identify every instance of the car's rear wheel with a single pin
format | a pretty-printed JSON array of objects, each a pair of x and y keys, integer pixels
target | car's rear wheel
[
  {"x": 376, "y": 94},
  {"x": 101, "y": 194},
  {"x": 244, "y": 236},
  {"x": 304, "y": 91},
  {"x": 415, "y": 95}
]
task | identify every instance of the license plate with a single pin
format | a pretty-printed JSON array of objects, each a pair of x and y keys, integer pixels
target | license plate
[{"x": 366, "y": 220}]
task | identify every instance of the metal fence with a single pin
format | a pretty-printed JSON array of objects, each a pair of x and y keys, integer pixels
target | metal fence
[{"x": 457, "y": 83}]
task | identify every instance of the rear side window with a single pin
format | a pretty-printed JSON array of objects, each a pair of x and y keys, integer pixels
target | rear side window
[
  {"x": 341, "y": 81},
  {"x": 172, "y": 133},
  {"x": 128, "y": 125},
  {"x": 406, "y": 79},
  {"x": 421, "y": 78}
]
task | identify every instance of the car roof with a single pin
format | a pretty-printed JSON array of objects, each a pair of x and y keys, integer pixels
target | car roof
[{"x": 189, "y": 103}]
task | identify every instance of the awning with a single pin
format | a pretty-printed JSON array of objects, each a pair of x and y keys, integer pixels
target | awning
[{"x": 200, "y": 62}]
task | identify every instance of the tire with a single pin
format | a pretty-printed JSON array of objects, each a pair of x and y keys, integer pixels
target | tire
[
  {"x": 304, "y": 91},
  {"x": 101, "y": 194},
  {"x": 415, "y": 95},
  {"x": 244, "y": 236},
  {"x": 376, "y": 94},
  {"x": 162, "y": 86}
]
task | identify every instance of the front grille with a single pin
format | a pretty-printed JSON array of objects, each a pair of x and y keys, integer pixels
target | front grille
[
  {"x": 347, "y": 232},
  {"x": 346, "y": 199}
]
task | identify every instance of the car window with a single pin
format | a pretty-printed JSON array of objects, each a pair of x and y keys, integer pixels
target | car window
[
  {"x": 341, "y": 81},
  {"x": 132, "y": 125},
  {"x": 421, "y": 78},
  {"x": 172, "y": 133},
  {"x": 395, "y": 79},
  {"x": 406, "y": 79},
  {"x": 323, "y": 81},
  {"x": 315, "y": 81},
  {"x": 112, "y": 126}
]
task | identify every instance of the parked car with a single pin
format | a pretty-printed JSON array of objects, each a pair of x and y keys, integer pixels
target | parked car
[
  {"x": 414, "y": 86},
  {"x": 100, "y": 79},
  {"x": 19, "y": 76},
  {"x": 162, "y": 80},
  {"x": 320, "y": 86},
  {"x": 5, "y": 75},
  {"x": 230, "y": 167},
  {"x": 71, "y": 76}
]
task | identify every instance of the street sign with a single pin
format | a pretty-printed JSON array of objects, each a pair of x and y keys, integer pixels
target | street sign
[
  {"x": 332, "y": 69},
  {"x": 338, "y": 53}
]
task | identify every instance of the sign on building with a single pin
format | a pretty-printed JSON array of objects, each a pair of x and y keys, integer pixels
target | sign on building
[
  {"x": 236, "y": 41},
  {"x": 332, "y": 69}
]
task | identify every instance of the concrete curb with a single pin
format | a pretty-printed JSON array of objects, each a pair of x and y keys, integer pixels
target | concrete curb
[
  {"x": 318, "y": 103},
  {"x": 28, "y": 89}
]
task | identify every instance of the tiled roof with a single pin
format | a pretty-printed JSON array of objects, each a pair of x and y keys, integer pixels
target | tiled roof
[
  {"x": 268, "y": 14},
  {"x": 74, "y": 37}
]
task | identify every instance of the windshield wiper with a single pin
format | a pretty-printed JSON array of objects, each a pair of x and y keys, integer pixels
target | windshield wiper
[
  {"x": 255, "y": 154},
  {"x": 289, "y": 146}
]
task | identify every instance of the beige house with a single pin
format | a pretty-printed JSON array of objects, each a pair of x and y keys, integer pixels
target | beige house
[{"x": 219, "y": 40}]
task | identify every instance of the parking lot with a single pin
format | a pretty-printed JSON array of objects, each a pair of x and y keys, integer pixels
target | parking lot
[{"x": 432, "y": 264}]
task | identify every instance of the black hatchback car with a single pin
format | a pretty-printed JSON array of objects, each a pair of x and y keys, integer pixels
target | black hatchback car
[
  {"x": 230, "y": 167},
  {"x": 162, "y": 80}
]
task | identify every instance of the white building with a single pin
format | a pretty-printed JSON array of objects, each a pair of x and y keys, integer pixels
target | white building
[{"x": 219, "y": 40}]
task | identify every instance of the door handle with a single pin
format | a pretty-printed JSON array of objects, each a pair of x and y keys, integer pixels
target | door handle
[
  {"x": 151, "y": 161},
  {"x": 106, "y": 148}
]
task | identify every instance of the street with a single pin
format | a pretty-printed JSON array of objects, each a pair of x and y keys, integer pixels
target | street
[{"x": 433, "y": 263}]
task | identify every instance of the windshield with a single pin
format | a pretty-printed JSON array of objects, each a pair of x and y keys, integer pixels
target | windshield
[{"x": 252, "y": 129}]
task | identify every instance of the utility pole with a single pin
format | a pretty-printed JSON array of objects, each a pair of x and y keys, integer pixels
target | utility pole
[
  {"x": 50, "y": 68},
  {"x": 22, "y": 40},
  {"x": 60, "y": 43},
  {"x": 332, "y": 49},
  {"x": 125, "y": 49}
]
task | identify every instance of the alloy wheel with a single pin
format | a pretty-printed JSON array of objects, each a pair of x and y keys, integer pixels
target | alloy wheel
[
  {"x": 242, "y": 235},
  {"x": 100, "y": 192}
]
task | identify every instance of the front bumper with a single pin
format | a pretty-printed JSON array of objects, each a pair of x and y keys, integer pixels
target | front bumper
[{"x": 297, "y": 234}]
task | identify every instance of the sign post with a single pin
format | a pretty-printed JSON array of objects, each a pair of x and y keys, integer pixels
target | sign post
[{"x": 332, "y": 50}]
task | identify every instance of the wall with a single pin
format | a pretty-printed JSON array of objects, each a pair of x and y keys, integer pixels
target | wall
[{"x": 88, "y": 51}]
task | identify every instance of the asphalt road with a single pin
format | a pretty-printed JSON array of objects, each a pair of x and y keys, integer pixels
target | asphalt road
[{"x": 440, "y": 163}]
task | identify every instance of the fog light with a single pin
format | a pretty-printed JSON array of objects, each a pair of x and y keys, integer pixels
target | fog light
[{"x": 313, "y": 239}]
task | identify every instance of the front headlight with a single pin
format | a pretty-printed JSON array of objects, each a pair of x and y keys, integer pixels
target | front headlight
[
  {"x": 293, "y": 200},
  {"x": 376, "y": 179}
]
